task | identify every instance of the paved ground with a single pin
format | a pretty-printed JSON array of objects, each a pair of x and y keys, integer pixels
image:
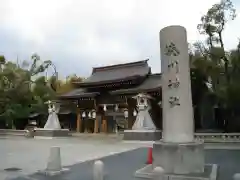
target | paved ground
[
  {"x": 118, "y": 167},
  {"x": 228, "y": 161},
  {"x": 31, "y": 155},
  {"x": 122, "y": 166}
]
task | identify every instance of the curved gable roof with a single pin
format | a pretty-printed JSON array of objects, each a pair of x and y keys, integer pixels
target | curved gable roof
[
  {"x": 152, "y": 83},
  {"x": 117, "y": 73},
  {"x": 78, "y": 93}
]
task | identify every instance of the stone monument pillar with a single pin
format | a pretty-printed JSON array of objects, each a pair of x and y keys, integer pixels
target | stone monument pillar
[
  {"x": 177, "y": 107},
  {"x": 177, "y": 152}
]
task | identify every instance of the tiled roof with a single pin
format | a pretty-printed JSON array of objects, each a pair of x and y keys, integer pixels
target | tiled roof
[
  {"x": 78, "y": 93},
  {"x": 152, "y": 82},
  {"x": 117, "y": 73}
]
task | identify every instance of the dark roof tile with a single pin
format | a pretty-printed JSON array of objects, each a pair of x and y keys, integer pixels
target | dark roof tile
[
  {"x": 116, "y": 73},
  {"x": 152, "y": 82},
  {"x": 80, "y": 92}
]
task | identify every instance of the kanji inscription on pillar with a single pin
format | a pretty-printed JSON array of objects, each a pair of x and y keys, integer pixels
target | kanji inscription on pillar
[
  {"x": 173, "y": 68},
  {"x": 171, "y": 50}
]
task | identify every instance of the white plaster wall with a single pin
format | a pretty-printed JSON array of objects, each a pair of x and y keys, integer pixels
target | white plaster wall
[{"x": 178, "y": 124}]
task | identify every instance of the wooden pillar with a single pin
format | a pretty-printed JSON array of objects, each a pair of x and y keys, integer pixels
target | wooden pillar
[
  {"x": 79, "y": 120},
  {"x": 131, "y": 118},
  {"x": 104, "y": 125},
  {"x": 96, "y": 125},
  {"x": 96, "y": 121}
]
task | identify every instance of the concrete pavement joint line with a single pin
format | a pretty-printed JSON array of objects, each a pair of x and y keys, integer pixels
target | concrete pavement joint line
[
  {"x": 140, "y": 143},
  {"x": 110, "y": 154},
  {"x": 141, "y": 172}
]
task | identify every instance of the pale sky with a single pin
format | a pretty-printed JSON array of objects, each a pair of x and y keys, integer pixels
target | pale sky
[{"x": 80, "y": 34}]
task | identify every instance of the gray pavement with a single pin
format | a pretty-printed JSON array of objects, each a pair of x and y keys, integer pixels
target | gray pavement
[
  {"x": 31, "y": 155},
  {"x": 118, "y": 167}
]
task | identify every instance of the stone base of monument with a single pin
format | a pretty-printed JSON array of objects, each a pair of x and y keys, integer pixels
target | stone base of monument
[
  {"x": 180, "y": 161},
  {"x": 142, "y": 135},
  {"x": 209, "y": 173},
  {"x": 180, "y": 158},
  {"x": 51, "y": 133}
]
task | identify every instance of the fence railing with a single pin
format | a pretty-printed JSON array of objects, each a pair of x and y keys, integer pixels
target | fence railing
[
  {"x": 12, "y": 132},
  {"x": 218, "y": 137}
]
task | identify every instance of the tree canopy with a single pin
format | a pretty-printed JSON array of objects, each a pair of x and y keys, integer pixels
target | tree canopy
[
  {"x": 217, "y": 66},
  {"x": 24, "y": 90}
]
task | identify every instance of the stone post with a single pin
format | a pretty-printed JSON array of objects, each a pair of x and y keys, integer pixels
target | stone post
[
  {"x": 158, "y": 173},
  {"x": 98, "y": 170},
  {"x": 54, "y": 165},
  {"x": 236, "y": 176},
  {"x": 177, "y": 152}
]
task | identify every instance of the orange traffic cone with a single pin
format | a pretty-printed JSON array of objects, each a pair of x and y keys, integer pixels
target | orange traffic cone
[{"x": 149, "y": 157}]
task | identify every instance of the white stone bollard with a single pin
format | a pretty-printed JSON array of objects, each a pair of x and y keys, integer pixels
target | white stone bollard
[
  {"x": 98, "y": 170},
  {"x": 158, "y": 173},
  {"x": 236, "y": 176},
  {"x": 54, "y": 164}
]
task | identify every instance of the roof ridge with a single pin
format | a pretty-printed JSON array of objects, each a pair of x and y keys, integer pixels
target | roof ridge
[{"x": 142, "y": 62}]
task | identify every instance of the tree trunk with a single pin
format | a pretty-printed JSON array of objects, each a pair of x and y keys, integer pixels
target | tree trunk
[
  {"x": 226, "y": 63},
  {"x": 210, "y": 40},
  {"x": 221, "y": 39}
]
